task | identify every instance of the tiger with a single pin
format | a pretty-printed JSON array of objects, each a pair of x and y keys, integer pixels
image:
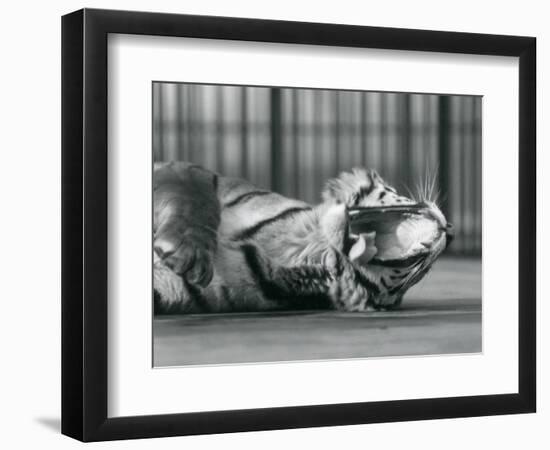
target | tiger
[{"x": 222, "y": 244}]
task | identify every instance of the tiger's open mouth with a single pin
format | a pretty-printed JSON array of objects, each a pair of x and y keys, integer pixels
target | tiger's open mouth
[
  {"x": 402, "y": 235},
  {"x": 396, "y": 245}
]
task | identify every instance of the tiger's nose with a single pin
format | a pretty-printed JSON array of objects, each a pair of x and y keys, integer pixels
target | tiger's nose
[{"x": 449, "y": 233}]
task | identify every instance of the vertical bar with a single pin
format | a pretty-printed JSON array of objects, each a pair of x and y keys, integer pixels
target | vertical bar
[
  {"x": 252, "y": 133},
  {"x": 191, "y": 129},
  {"x": 178, "y": 123},
  {"x": 444, "y": 153},
  {"x": 276, "y": 140},
  {"x": 372, "y": 128},
  {"x": 262, "y": 126},
  {"x": 355, "y": 129},
  {"x": 384, "y": 133},
  {"x": 325, "y": 134},
  {"x": 187, "y": 123},
  {"x": 295, "y": 143},
  {"x": 474, "y": 189},
  {"x": 426, "y": 152},
  {"x": 169, "y": 121},
  {"x": 406, "y": 138},
  {"x": 207, "y": 125},
  {"x": 478, "y": 171},
  {"x": 286, "y": 150},
  {"x": 220, "y": 130},
  {"x": 423, "y": 132},
  {"x": 393, "y": 135},
  {"x": 182, "y": 121},
  {"x": 316, "y": 141},
  {"x": 346, "y": 129},
  {"x": 244, "y": 132},
  {"x": 462, "y": 129},
  {"x": 471, "y": 170},
  {"x": 161, "y": 128},
  {"x": 157, "y": 152},
  {"x": 469, "y": 174},
  {"x": 363, "y": 129},
  {"x": 337, "y": 131},
  {"x": 198, "y": 124}
]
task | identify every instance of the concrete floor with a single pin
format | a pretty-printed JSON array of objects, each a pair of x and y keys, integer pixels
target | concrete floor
[{"x": 440, "y": 315}]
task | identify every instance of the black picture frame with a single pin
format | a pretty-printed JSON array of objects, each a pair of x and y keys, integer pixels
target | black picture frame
[{"x": 84, "y": 224}]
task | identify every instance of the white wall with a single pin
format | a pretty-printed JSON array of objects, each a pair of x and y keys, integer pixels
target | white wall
[{"x": 30, "y": 179}]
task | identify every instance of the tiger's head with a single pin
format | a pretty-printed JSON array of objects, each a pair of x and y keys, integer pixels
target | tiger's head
[{"x": 392, "y": 239}]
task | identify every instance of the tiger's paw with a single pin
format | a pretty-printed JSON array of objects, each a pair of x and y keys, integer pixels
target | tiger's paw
[
  {"x": 170, "y": 292},
  {"x": 345, "y": 292},
  {"x": 192, "y": 258},
  {"x": 348, "y": 296}
]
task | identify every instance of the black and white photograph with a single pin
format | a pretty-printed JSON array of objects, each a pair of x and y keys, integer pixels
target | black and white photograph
[
  {"x": 275, "y": 225},
  {"x": 299, "y": 224}
]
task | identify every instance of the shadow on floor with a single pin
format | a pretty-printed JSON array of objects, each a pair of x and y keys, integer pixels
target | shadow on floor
[{"x": 52, "y": 423}]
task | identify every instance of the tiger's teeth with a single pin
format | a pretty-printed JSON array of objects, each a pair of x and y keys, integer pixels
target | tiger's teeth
[{"x": 364, "y": 248}]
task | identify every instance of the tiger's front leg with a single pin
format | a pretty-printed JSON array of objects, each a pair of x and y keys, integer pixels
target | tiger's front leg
[
  {"x": 348, "y": 290},
  {"x": 186, "y": 220}
]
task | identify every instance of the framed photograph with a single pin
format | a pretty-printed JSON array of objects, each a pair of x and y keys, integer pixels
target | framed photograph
[{"x": 273, "y": 224}]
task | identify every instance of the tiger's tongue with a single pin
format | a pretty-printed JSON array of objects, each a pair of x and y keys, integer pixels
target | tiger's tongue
[
  {"x": 393, "y": 240},
  {"x": 404, "y": 238}
]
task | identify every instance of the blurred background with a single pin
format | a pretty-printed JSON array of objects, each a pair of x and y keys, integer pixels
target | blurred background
[{"x": 292, "y": 140}]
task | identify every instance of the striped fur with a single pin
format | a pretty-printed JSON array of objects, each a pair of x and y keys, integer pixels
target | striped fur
[{"x": 222, "y": 244}]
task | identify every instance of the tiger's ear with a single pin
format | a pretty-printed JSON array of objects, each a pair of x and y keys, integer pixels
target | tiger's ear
[{"x": 350, "y": 186}]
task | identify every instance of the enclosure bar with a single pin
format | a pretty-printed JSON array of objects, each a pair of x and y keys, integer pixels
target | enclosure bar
[
  {"x": 161, "y": 121},
  {"x": 337, "y": 131},
  {"x": 463, "y": 179},
  {"x": 295, "y": 142},
  {"x": 479, "y": 172},
  {"x": 317, "y": 137},
  {"x": 178, "y": 123},
  {"x": 276, "y": 140},
  {"x": 220, "y": 131},
  {"x": 406, "y": 139},
  {"x": 363, "y": 129},
  {"x": 244, "y": 131},
  {"x": 157, "y": 154},
  {"x": 190, "y": 121},
  {"x": 444, "y": 156},
  {"x": 383, "y": 134}
]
